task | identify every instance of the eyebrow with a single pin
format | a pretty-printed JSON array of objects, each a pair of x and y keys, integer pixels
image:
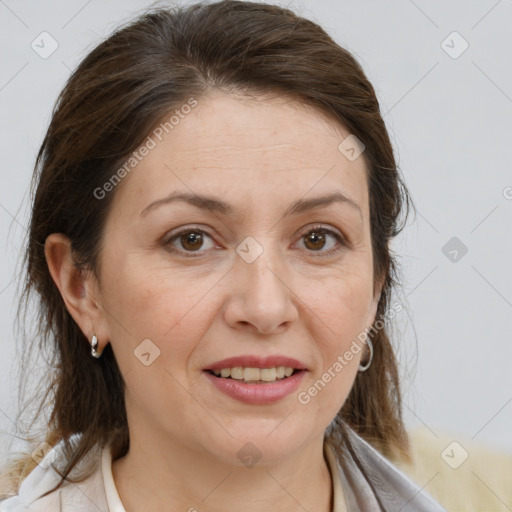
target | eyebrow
[{"x": 215, "y": 205}]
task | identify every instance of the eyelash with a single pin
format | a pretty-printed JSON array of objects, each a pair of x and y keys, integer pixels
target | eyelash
[{"x": 315, "y": 228}]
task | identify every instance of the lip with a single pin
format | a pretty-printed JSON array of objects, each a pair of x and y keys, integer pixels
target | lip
[
  {"x": 252, "y": 361},
  {"x": 257, "y": 394}
]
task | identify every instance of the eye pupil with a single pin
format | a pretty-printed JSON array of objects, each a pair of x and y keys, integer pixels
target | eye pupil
[{"x": 315, "y": 237}]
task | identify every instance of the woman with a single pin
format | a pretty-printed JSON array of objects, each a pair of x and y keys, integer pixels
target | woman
[{"x": 214, "y": 201}]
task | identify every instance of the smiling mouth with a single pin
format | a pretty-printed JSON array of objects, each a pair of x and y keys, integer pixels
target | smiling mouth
[{"x": 250, "y": 375}]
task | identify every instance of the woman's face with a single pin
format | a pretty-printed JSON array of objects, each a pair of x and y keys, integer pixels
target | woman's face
[{"x": 247, "y": 281}]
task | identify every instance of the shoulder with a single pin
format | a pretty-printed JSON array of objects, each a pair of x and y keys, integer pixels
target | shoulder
[{"x": 37, "y": 492}]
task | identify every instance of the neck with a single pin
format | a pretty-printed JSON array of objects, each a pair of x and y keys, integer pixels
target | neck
[{"x": 148, "y": 477}]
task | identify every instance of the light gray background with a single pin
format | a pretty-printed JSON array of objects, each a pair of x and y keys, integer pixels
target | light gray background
[{"x": 449, "y": 119}]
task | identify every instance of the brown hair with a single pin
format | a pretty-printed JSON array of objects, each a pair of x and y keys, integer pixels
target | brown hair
[{"x": 109, "y": 105}]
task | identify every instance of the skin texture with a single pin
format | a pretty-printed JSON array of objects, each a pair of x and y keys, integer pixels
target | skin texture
[{"x": 259, "y": 155}]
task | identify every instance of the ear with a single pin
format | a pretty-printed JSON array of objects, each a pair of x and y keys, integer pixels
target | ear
[{"x": 79, "y": 289}]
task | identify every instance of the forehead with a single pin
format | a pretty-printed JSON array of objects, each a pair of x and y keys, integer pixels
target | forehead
[{"x": 243, "y": 149}]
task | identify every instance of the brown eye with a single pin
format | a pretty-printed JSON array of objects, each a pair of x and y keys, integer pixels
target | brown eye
[
  {"x": 191, "y": 241},
  {"x": 315, "y": 240},
  {"x": 188, "y": 242}
]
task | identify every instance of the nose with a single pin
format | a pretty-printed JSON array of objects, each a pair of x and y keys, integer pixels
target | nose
[{"x": 260, "y": 298}]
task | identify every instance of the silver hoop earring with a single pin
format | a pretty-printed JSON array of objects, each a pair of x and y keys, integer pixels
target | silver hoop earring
[
  {"x": 363, "y": 368},
  {"x": 94, "y": 346}
]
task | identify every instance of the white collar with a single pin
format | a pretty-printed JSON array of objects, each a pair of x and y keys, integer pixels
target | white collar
[{"x": 113, "y": 500}]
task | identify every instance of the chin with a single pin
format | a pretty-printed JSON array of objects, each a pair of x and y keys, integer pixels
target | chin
[{"x": 252, "y": 445}]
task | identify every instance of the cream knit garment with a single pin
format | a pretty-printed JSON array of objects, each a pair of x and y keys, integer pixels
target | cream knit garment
[{"x": 461, "y": 474}]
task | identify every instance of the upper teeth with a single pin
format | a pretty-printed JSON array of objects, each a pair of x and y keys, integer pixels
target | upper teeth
[{"x": 250, "y": 374}]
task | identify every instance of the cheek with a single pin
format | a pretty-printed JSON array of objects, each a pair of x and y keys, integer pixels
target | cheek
[
  {"x": 342, "y": 301},
  {"x": 155, "y": 321},
  {"x": 145, "y": 303},
  {"x": 340, "y": 315},
  {"x": 341, "y": 306}
]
